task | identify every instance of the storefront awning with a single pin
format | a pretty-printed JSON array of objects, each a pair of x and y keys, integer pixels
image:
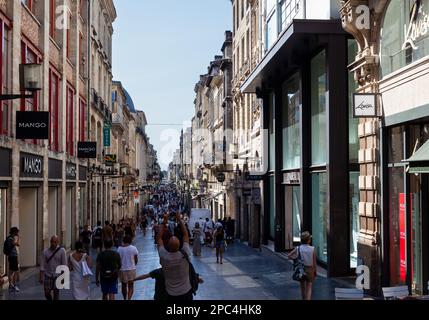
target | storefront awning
[
  {"x": 419, "y": 161},
  {"x": 296, "y": 42}
]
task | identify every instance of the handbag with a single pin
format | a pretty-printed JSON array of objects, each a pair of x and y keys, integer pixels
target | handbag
[
  {"x": 86, "y": 270},
  {"x": 299, "y": 268}
]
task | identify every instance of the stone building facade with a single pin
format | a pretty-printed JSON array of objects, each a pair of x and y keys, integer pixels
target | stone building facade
[
  {"x": 392, "y": 62},
  {"x": 49, "y": 197},
  {"x": 247, "y": 142}
]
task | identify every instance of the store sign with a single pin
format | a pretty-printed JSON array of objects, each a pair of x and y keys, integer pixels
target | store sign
[
  {"x": 71, "y": 171},
  {"x": 418, "y": 27},
  {"x": 364, "y": 105},
  {"x": 253, "y": 177},
  {"x": 247, "y": 192},
  {"x": 32, "y": 125},
  {"x": 106, "y": 135},
  {"x": 110, "y": 159},
  {"x": 292, "y": 178},
  {"x": 31, "y": 166},
  {"x": 87, "y": 150}
]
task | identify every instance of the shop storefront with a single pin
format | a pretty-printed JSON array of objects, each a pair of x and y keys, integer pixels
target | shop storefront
[
  {"x": 82, "y": 195},
  {"x": 55, "y": 220},
  {"x": 5, "y": 179},
  {"x": 311, "y": 184},
  {"x": 30, "y": 218},
  {"x": 404, "y": 64},
  {"x": 71, "y": 210}
]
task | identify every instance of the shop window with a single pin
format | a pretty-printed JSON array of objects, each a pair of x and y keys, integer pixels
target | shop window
[
  {"x": 4, "y": 77},
  {"x": 320, "y": 215},
  {"x": 272, "y": 190},
  {"x": 3, "y": 230},
  {"x": 354, "y": 197},
  {"x": 272, "y": 139},
  {"x": 397, "y": 226},
  {"x": 291, "y": 123},
  {"x": 296, "y": 213},
  {"x": 353, "y": 122},
  {"x": 318, "y": 110},
  {"x": 399, "y": 48}
]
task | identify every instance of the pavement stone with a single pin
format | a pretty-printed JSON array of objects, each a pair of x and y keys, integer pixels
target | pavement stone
[{"x": 247, "y": 274}]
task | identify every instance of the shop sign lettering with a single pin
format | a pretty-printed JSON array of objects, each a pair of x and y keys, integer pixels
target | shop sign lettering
[
  {"x": 32, "y": 166},
  {"x": 418, "y": 28}
]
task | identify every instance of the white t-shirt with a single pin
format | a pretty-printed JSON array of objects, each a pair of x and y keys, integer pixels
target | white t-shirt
[
  {"x": 307, "y": 252},
  {"x": 127, "y": 257}
]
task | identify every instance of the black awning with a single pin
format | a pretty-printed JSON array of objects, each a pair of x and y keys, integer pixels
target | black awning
[
  {"x": 299, "y": 40},
  {"x": 419, "y": 161}
]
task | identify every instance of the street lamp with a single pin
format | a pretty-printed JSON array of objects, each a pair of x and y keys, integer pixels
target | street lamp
[{"x": 30, "y": 79}]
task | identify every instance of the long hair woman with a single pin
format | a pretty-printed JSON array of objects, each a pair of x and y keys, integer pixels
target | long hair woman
[{"x": 219, "y": 237}]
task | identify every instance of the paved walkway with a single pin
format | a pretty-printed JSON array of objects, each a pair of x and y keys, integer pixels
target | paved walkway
[{"x": 246, "y": 274}]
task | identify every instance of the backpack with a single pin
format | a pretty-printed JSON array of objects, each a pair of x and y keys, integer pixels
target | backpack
[
  {"x": 97, "y": 233},
  {"x": 299, "y": 269},
  {"x": 8, "y": 246},
  {"x": 194, "y": 277}
]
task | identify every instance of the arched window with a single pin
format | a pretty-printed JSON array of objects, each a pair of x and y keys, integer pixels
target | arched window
[{"x": 405, "y": 34}]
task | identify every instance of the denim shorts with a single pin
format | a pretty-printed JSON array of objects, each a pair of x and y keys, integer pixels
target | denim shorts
[{"x": 109, "y": 286}]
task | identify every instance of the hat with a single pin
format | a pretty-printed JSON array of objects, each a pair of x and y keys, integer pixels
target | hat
[{"x": 305, "y": 236}]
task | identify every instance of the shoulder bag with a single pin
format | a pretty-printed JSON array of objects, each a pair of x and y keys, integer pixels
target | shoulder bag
[{"x": 299, "y": 268}]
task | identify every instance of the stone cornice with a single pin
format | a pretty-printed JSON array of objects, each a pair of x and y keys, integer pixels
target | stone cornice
[{"x": 366, "y": 65}]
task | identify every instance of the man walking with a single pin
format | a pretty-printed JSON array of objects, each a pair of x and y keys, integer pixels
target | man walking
[
  {"x": 129, "y": 260},
  {"x": 85, "y": 237},
  {"x": 108, "y": 266},
  {"x": 107, "y": 233},
  {"x": 175, "y": 265},
  {"x": 10, "y": 249},
  {"x": 52, "y": 257},
  {"x": 97, "y": 235},
  {"x": 208, "y": 232}
]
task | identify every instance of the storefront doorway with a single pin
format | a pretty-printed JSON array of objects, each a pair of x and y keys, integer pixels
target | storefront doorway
[
  {"x": 3, "y": 227},
  {"x": 69, "y": 218},
  {"x": 53, "y": 211},
  {"x": 408, "y": 207},
  {"x": 28, "y": 226}
]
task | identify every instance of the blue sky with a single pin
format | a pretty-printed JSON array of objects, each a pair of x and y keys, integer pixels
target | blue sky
[{"x": 159, "y": 50}]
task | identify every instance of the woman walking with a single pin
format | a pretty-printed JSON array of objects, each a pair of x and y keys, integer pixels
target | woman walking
[
  {"x": 219, "y": 237},
  {"x": 196, "y": 250},
  {"x": 79, "y": 282},
  {"x": 308, "y": 256}
]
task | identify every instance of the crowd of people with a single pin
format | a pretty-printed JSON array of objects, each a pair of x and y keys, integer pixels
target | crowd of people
[{"x": 116, "y": 257}]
